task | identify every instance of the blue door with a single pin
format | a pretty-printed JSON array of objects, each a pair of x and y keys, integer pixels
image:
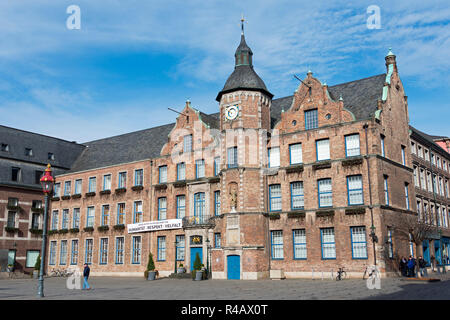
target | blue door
[
  {"x": 194, "y": 251},
  {"x": 234, "y": 267},
  {"x": 426, "y": 251},
  {"x": 437, "y": 251}
]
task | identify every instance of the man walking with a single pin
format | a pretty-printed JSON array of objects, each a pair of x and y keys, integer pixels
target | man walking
[
  {"x": 423, "y": 267},
  {"x": 86, "y": 277},
  {"x": 411, "y": 265}
]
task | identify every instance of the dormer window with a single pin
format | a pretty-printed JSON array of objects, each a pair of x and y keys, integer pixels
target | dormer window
[
  {"x": 29, "y": 152},
  {"x": 5, "y": 147},
  {"x": 51, "y": 156}
]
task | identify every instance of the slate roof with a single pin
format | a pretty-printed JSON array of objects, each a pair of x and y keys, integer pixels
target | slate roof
[
  {"x": 66, "y": 152},
  {"x": 430, "y": 139}
]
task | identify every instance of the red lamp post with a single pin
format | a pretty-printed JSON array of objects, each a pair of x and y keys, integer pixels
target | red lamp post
[{"x": 47, "y": 187}]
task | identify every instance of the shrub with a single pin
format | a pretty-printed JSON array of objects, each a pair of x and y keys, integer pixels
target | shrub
[
  {"x": 150, "y": 265},
  {"x": 37, "y": 265}
]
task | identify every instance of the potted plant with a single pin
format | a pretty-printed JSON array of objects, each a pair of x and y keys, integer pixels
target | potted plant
[
  {"x": 150, "y": 273},
  {"x": 10, "y": 268},
  {"x": 197, "y": 272},
  {"x": 181, "y": 269},
  {"x": 37, "y": 267}
]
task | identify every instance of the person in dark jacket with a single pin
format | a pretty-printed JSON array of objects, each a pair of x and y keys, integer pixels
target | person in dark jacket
[
  {"x": 422, "y": 267},
  {"x": 433, "y": 261},
  {"x": 411, "y": 266},
  {"x": 403, "y": 266},
  {"x": 86, "y": 272}
]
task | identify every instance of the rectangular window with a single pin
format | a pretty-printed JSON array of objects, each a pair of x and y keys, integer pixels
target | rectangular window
[
  {"x": 11, "y": 223},
  {"x": 217, "y": 240},
  {"x": 103, "y": 251},
  {"x": 419, "y": 210},
  {"x": 180, "y": 240},
  {"x": 216, "y": 166},
  {"x": 277, "y": 244},
  {"x": 35, "y": 221},
  {"x": 29, "y": 152},
  {"x": 107, "y": 182},
  {"x": 386, "y": 190},
  {"x": 32, "y": 256},
  {"x": 359, "y": 243},
  {"x": 232, "y": 157},
  {"x": 295, "y": 153},
  {"x": 200, "y": 168},
  {"x": 274, "y": 157},
  {"x": 50, "y": 156},
  {"x": 311, "y": 119},
  {"x": 325, "y": 193},
  {"x": 162, "y": 208},
  {"x": 15, "y": 174},
  {"x": 162, "y": 174},
  {"x": 90, "y": 216},
  {"x": 37, "y": 176},
  {"x": 355, "y": 190},
  {"x": 403, "y": 155},
  {"x": 299, "y": 243},
  {"x": 65, "y": 219},
  {"x": 74, "y": 252},
  {"x": 105, "y": 215},
  {"x": 416, "y": 176},
  {"x": 89, "y": 248},
  {"x": 422, "y": 179},
  {"x": 78, "y": 183},
  {"x": 441, "y": 187},
  {"x": 121, "y": 213},
  {"x": 413, "y": 148},
  {"x": 327, "y": 243},
  {"x": 187, "y": 143},
  {"x": 55, "y": 220},
  {"x": 383, "y": 154},
  {"x": 390, "y": 244},
  {"x": 297, "y": 195},
  {"x": 92, "y": 184},
  {"x": 52, "y": 258},
  {"x": 352, "y": 147},
  {"x": 427, "y": 157},
  {"x": 120, "y": 250},
  {"x": 136, "y": 256},
  {"x": 161, "y": 248},
  {"x": 67, "y": 188},
  {"x": 323, "y": 149},
  {"x": 63, "y": 253},
  {"x": 122, "y": 180},
  {"x": 57, "y": 189},
  {"x": 138, "y": 215},
  {"x": 139, "y": 177},
  {"x": 5, "y": 147},
  {"x": 181, "y": 171},
  {"x": 420, "y": 151},
  {"x": 181, "y": 207},
  {"x": 76, "y": 218},
  {"x": 275, "y": 197},
  {"x": 216, "y": 203}
]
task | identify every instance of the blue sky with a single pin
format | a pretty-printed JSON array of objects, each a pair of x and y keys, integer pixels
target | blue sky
[{"x": 131, "y": 60}]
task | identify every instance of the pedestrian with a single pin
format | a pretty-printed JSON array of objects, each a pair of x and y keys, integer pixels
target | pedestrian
[
  {"x": 411, "y": 264},
  {"x": 433, "y": 261},
  {"x": 422, "y": 267},
  {"x": 403, "y": 267},
  {"x": 86, "y": 272}
]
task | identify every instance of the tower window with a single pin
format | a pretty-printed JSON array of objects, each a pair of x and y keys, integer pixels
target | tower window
[
  {"x": 5, "y": 147},
  {"x": 51, "y": 156},
  {"x": 29, "y": 152}
]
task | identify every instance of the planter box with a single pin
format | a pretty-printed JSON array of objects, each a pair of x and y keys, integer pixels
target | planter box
[
  {"x": 352, "y": 162},
  {"x": 50, "y": 232},
  {"x": 76, "y": 196},
  {"x": 325, "y": 213},
  {"x": 119, "y": 227},
  {"x": 274, "y": 216},
  {"x": 55, "y": 199},
  {"x": 65, "y": 197},
  {"x": 88, "y": 229},
  {"x": 179, "y": 184},
  {"x": 37, "y": 210},
  {"x": 11, "y": 229},
  {"x": 161, "y": 186},
  {"x": 62, "y": 231},
  {"x": 295, "y": 168},
  {"x": 120, "y": 190},
  {"x": 14, "y": 208},
  {"x": 198, "y": 275},
  {"x": 137, "y": 188},
  {"x": 103, "y": 228},
  {"x": 74, "y": 230},
  {"x": 322, "y": 165},
  {"x": 355, "y": 211},
  {"x": 105, "y": 192},
  {"x": 36, "y": 231},
  {"x": 296, "y": 214},
  {"x": 151, "y": 275},
  {"x": 89, "y": 194}
]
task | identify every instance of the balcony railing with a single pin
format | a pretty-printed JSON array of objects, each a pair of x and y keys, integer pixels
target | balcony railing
[{"x": 198, "y": 220}]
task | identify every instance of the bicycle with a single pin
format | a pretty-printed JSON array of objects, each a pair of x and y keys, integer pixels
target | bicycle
[{"x": 341, "y": 274}]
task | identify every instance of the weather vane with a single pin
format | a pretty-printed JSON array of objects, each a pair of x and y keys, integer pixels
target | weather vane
[{"x": 242, "y": 23}]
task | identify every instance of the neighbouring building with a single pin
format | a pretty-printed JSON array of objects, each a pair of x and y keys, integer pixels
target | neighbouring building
[
  {"x": 23, "y": 159},
  {"x": 264, "y": 188}
]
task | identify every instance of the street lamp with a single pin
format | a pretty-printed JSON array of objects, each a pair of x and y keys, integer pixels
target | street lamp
[
  {"x": 47, "y": 186},
  {"x": 175, "y": 265},
  {"x": 207, "y": 257}
]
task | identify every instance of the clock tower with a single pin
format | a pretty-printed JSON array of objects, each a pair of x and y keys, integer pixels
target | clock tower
[{"x": 244, "y": 104}]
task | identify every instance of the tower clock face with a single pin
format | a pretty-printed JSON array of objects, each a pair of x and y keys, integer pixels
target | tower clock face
[{"x": 231, "y": 112}]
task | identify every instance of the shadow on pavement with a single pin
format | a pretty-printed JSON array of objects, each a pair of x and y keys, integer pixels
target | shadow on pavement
[{"x": 418, "y": 291}]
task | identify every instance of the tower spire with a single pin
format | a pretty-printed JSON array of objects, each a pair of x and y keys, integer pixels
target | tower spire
[{"x": 242, "y": 24}]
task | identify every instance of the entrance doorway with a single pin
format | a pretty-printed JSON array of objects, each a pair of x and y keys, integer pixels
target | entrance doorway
[
  {"x": 194, "y": 252},
  {"x": 233, "y": 267}
]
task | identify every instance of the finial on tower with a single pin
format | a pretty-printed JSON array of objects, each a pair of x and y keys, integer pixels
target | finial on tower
[{"x": 242, "y": 24}]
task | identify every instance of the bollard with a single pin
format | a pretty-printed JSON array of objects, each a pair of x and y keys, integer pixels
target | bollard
[
  {"x": 322, "y": 275},
  {"x": 331, "y": 273},
  {"x": 312, "y": 274}
]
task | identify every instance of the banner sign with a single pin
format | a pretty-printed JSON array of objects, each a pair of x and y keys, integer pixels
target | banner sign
[{"x": 155, "y": 225}]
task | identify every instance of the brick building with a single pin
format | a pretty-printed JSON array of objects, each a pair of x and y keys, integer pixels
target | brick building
[
  {"x": 263, "y": 188},
  {"x": 23, "y": 157}
]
